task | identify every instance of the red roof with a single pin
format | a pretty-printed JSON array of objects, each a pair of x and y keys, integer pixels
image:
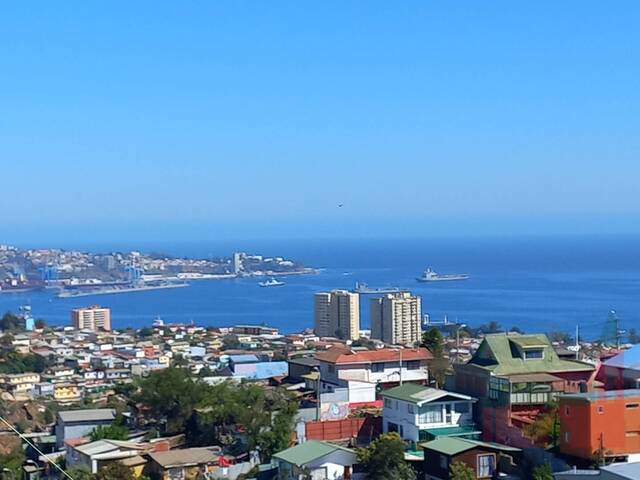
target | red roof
[{"x": 339, "y": 355}]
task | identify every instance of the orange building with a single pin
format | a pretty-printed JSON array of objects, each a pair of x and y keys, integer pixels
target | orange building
[{"x": 607, "y": 422}]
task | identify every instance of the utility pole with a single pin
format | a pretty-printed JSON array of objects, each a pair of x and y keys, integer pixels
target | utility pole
[
  {"x": 577, "y": 340},
  {"x": 401, "y": 367}
]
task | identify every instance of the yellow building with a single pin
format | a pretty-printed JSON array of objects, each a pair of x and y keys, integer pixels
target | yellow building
[{"x": 66, "y": 392}]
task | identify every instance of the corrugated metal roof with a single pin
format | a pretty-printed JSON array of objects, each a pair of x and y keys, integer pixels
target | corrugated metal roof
[
  {"x": 187, "y": 456},
  {"x": 89, "y": 415},
  {"x": 498, "y": 353},
  {"x": 454, "y": 445},
  {"x": 418, "y": 394},
  {"x": 309, "y": 451}
]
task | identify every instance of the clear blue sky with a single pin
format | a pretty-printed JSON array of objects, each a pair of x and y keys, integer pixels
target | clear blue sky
[{"x": 179, "y": 119}]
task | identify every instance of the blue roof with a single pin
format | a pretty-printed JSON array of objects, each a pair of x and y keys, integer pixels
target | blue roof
[
  {"x": 624, "y": 470},
  {"x": 266, "y": 370},
  {"x": 629, "y": 358},
  {"x": 243, "y": 358}
]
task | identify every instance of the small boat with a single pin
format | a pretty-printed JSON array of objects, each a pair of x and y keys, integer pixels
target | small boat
[
  {"x": 272, "y": 282},
  {"x": 430, "y": 275}
]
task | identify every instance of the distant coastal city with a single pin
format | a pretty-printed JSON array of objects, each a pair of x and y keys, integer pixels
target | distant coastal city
[{"x": 72, "y": 273}]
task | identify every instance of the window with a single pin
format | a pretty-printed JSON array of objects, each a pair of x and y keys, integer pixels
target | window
[
  {"x": 567, "y": 437},
  {"x": 600, "y": 409},
  {"x": 392, "y": 427},
  {"x": 443, "y": 462},
  {"x": 631, "y": 405},
  {"x": 536, "y": 354},
  {"x": 410, "y": 408},
  {"x": 566, "y": 411},
  {"x": 387, "y": 403},
  {"x": 431, "y": 414},
  {"x": 413, "y": 364},
  {"x": 486, "y": 465},
  {"x": 462, "y": 407},
  {"x": 633, "y": 433},
  {"x": 332, "y": 369},
  {"x": 377, "y": 367}
]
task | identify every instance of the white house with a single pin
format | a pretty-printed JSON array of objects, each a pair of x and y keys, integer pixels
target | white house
[
  {"x": 362, "y": 372},
  {"x": 420, "y": 413},
  {"x": 319, "y": 460}
]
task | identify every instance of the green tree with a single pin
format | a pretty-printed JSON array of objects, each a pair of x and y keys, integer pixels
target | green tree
[
  {"x": 13, "y": 462},
  {"x": 109, "y": 432},
  {"x": 461, "y": 471},
  {"x": 633, "y": 336},
  {"x": 113, "y": 471},
  {"x": 39, "y": 324},
  {"x": 11, "y": 322},
  {"x": 546, "y": 427},
  {"x": 384, "y": 459},
  {"x": 230, "y": 342},
  {"x": 171, "y": 395},
  {"x": 146, "y": 332},
  {"x": 432, "y": 340},
  {"x": 79, "y": 473},
  {"x": 543, "y": 472}
]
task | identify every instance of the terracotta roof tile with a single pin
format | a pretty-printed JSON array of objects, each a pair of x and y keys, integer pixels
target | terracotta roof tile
[{"x": 344, "y": 356}]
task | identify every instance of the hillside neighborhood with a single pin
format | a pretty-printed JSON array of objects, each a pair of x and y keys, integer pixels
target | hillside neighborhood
[{"x": 189, "y": 402}]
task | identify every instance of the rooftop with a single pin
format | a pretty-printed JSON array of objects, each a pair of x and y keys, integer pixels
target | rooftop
[
  {"x": 500, "y": 354},
  {"x": 418, "y": 394},
  {"x": 453, "y": 445},
  {"x": 308, "y": 451},
  {"x": 339, "y": 355},
  {"x": 629, "y": 358},
  {"x": 188, "y": 456},
  {"x": 89, "y": 415},
  {"x": 608, "y": 395}
]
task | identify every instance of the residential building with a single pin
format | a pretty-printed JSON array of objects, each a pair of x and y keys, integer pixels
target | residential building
[
  {"x": 337, "y": 314},
  {"x": 622, "y": 370},
  {"x": 20, "y": 384},
  {"x": 363, "y": 372},
  {"x": 396, "y": 318},
  {"x": 184, "y": 464},
  {"x": 79, "y": 423},
  {"x": 515, "y": 376},
  {"x": 66, "y": 392},
  {"x": 301, "y": 366},
  {"x": 95, "y": 455},
  {"x": 486, "y": 460},
  {"x": 91, "y": 318},
  {"x": 420, "y": 413},
  {"x": 319, "y": 460},
  {"x": 605, "y": 422},
  {"x": 616, "y": 471}
]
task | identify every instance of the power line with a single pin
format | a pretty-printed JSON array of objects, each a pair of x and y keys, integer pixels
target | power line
[{"x": 48, "y": 458}]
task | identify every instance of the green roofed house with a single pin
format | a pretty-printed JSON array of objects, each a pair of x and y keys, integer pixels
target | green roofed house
[
  {"x": 319, "y": 460},
  {"x": 421, "y": 413},
  {"x": 515, "y": 376},
  {"x": 486, "y": 459}
]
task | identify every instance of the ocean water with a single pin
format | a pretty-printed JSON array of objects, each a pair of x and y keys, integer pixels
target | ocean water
[{"x": 539, "y": 284}]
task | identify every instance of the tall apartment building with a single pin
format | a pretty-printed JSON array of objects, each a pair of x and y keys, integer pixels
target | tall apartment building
[
  {"x": 337, "y": 314},
  {"x": 396, "y": 318},
  {"x": 91, "y": 318}
]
